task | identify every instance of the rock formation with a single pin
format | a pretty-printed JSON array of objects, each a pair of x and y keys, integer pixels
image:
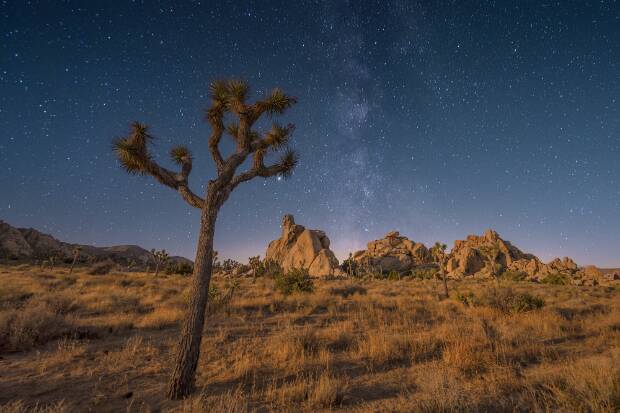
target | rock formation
[
  {"x": 470, "y": 256},
  {"x": 299, "y": 247},
  {"x": 394, "y": 253}
]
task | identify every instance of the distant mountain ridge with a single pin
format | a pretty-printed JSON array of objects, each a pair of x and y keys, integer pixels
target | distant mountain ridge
[{"x": 20, "y": 244}]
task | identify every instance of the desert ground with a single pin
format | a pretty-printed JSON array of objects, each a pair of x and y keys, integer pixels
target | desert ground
[{"x": 79, "y": 342}]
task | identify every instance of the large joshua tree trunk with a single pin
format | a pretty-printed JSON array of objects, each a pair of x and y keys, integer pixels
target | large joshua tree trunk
[{"x": 182, "y": 379}]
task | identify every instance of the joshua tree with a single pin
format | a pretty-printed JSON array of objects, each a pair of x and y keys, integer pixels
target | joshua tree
[
  {"x": 440, "y": 257},
  {"x": 491, "y": 253},
  {"x": 76, "y": 255},
  {"x": 255, "y": 264},
  {"x": 131, "y": 264},
  {"x": 52, "y": 260},
  {"x": 160, "y": 257},
  {"x": 228, "y": 101},
  {"x": 350, "y": 265}
]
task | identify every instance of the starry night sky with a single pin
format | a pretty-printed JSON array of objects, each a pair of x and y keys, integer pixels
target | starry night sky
[{"x": 437, "y": 120}]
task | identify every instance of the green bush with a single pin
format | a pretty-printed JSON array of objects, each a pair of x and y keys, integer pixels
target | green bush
[
  {"x": 503, "y": 299},
  {"x": 351, "y": 267},
  {"x": 296, "y": 280},
  {"x": 526, "y": 302},
  {"x": 348, "y": 290},
  {"x": 555, "y": 279},
  {"x": 181, "y": 268},
  {"x": 509, "y": 301},
  {"x": 269, "y": 268},
  {"x": 467, "y": 299},
  {"x": 219, "y": 300},
  {"x": 102, "y": 268},
  {"x": 424, "y": 273},
  {"x": 393, "y": 275},
  {"x": 511, "y": 275}
]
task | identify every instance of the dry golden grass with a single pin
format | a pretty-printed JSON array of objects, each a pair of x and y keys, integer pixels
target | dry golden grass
[{"x": 73, "y": 343}]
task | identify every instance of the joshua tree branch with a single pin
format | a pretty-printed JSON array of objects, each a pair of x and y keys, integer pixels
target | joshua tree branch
[
  {"x": 178, "y": 182},
  {"x": 283, "y": 168},
  {"x": 214, "y": 141},
  {"x": 276, "y": 103}
]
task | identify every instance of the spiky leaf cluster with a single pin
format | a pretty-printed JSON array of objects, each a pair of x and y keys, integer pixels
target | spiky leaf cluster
[
  {"x": 180, "y": 154},
  {"x": 132, "y": 151},
  {"x": 287, "y": 163}
]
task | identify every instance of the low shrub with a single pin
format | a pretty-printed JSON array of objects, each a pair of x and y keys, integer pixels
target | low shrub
[
  {"x": 295, "y": 280},
  {"x": 102, "y": 268},
  {"x": 556, "y": 279},
  {"x": 218, "y": 299},
  {"x": 509, "y": 301},
  {"x": 424, "y": 273},
  {"x": 351, "y": 267},
  {"x": 393, "y": 275},
  {"x": 348, "y": 290},
  {"x": 181, "y": 268},
  {"x": 503, "y": 299},
  {"x": 467, "y": 299},
  {"x": 511, "y": 275},
  {"x": 35, "y": 324},
  {"x": 269, "y": 268}
]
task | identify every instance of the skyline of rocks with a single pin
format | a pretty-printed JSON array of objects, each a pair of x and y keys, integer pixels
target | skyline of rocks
[{"x": 310, "y": 249}]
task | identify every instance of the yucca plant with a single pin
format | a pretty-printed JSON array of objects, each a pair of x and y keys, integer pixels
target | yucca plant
[{"x": 229, "y": 99}]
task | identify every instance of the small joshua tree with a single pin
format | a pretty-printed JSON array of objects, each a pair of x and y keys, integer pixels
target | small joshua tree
[
  {"x": 52, "y": 261},
  {"x": 255, "y": 264},
  {"x": 160, "y": 257},
  {"x": 350, "y": 265},
  {"x": 131, "y": 264},
  {"x": 492, "y": 253},
  {"x": 440, "y": 257},
  {"x": 76, "y": 255},
  {"x": 229, "y": 100}
]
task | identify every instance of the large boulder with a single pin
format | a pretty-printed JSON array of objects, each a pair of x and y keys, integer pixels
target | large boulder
[
  {"x": 394, "y": 253},
  {"x": 299, "y": 247}
]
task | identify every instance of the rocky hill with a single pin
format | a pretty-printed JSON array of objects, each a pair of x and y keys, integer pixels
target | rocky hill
[
  {"x": 477, "y": 255},
  {"x": 27, "y": 244}
]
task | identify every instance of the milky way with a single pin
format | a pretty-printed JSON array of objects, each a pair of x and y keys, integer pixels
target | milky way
[{"x": 434, "y": 120}]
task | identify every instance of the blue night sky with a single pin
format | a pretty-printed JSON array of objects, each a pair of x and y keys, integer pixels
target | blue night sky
[{"x": 435, "y": 120}]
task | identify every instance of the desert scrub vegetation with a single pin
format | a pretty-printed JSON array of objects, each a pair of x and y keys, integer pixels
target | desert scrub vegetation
[
  {"x": 296, "y": 280},
  {"x": 359, "y": 345},
  {"x": 556, "y": 279},
  {"x": 510, "y": 275},
  {"x": 504, "y": 299}
]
